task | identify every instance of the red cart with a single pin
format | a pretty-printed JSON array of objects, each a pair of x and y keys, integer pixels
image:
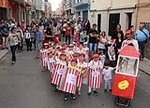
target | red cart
[{"x": 126, "y": 75}]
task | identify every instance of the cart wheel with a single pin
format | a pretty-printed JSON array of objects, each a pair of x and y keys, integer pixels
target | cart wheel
[
  {"x": 117, "y": 100},
  {"x": 122, "y": 101},
  {"x": 128, "y": 102}
]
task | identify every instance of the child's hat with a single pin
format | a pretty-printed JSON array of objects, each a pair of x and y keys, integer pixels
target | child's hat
[
  {"x": 75, "y": 54},
  {"x": 63, "y": 48},
  {"x": 46, "y": 44},
  {"x": 65, "y": 43},
  {"x": 81, "y": 54},
  {"x": 62, "y": 54},
  {"x": 96, "y": 55},
  {"x": 74, "y": 60},
  {"x": 71, "y": 45},
  {"x": 128, "y": 31}
]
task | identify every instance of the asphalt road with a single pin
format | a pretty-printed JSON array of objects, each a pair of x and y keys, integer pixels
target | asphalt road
[{"x": 26, "y": 85}]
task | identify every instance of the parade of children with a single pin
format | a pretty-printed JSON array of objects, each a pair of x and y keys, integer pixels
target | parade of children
[
  {"x": 70, "y": 67},
  {"x": 75, "y": 70}
]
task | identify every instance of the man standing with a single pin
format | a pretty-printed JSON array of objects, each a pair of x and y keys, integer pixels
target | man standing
[
  {"x": 93, "y": 39},
  {"x": 39, "y": 39},
  {"x": 5, "y": 32},
  {"x": 142, "y": 35}
]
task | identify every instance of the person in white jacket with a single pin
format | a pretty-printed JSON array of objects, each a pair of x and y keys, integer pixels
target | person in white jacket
[
  {"x": 28, "y": 39},
  {"x": 130, "y": 40}
]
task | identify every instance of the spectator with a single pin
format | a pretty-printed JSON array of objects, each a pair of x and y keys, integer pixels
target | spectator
[
  {"x": 27, "y": 36},
  {"x": 13, "y": 39},
  {"x": 22, "y": 25},
  {"x": 102, "y": 40},
  {"x": 20, "y": 33},
  {"x": 118, "y": 29},
  {"x": 68, "y": 33},
  {"x": 93, "y": 35},
  {"x": 142, "y": 35},
  {"x": 5, "y": 32},
  {"x": 39, "y": 39}
]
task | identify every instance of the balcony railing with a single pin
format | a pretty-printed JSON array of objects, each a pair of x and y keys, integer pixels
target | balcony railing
[{"x": 80, "y": 2}]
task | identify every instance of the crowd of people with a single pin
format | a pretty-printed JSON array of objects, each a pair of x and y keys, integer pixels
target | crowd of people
[{"x": 74, "y": 52}]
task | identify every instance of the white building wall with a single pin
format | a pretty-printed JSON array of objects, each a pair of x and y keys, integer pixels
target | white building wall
[{"x": 107, "y": 7}]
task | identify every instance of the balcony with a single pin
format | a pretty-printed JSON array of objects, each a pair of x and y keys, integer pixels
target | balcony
[
  {"x": 80, "y": 2},
  {"x": 27, "y": 2}
]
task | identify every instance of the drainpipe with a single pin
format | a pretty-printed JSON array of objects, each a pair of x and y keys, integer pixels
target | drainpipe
[{"x": 137, "y": 13}]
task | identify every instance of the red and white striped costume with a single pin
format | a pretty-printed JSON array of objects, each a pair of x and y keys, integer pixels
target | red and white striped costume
[
  {"x": 94, "y": 76},
  {"x": 51, "y": 64},
  {"x": 58, "y": 72},
  {"x": 80, "y": 78},
  {"x": 43, "y": 55},
  {"x": 70, "y": 82}
]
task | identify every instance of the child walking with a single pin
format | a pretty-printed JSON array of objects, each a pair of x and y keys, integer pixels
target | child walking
[
  {"x": 94, "y": 76},
  {"x": 107, "y": 75},
  {"x": 70, "y": 82}
]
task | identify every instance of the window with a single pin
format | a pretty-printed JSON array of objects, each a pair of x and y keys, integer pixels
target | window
[{"x": 127, "y": 65}]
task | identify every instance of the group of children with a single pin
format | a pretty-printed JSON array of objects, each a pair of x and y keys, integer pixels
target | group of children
[{"x": 70, "y": 66}]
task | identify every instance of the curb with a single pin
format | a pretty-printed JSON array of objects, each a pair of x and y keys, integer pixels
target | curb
[
  {"x": 147, "y": 73},
  {"x": 4, "y": 55}
]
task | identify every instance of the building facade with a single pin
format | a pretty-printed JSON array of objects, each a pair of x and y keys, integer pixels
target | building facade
[
  {"x": 108, "y": 13},
  {"x": 4, "y": 9},
  {"x": 82, "y": 8},
  {"x": 69, "y": 10},
  {"x": 143, "y": 13},
  {"x": 48, "y": 9}
]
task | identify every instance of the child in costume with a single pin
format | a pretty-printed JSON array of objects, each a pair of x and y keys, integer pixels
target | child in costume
[
  {"x": 107, "y": 75},
  {"x": 60, "y": 68},
  {"x": 82, "y": 65},
  {"x": 94, "y": 75},
  {"x": 43, "y": 55},
  {"x": 51, "y": 63},
  {"x": 70, "y": 82}
]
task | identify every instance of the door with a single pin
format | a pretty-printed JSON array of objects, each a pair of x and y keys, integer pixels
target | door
[
  {"x": 99, "y": 22},
  {"x": 114, "y": 19},
  {"x": 85, "y": 14},
  {"x": 129, "y": 20}
]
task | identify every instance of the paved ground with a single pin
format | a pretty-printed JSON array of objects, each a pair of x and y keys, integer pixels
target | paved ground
[{"x": 25, "y": 85}]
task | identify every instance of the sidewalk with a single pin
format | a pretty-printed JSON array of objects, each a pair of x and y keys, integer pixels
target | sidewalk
[
  {"x": 144, "y": 65},
  {"x": 3, "y": 53}
]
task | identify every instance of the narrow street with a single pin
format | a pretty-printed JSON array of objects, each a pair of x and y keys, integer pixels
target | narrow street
[{"x": 26, "y": 85}]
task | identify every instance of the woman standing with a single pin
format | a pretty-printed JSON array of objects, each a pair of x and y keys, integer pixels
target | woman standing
[
  {"x": 102, "y": 42},
  {"x": 13, "y": 40}
]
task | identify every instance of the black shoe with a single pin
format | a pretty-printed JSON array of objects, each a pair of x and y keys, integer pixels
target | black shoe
[
  {"x": 30, "y": 49},
  {"x": 105, "y": 90},
  {"x": 89, "y": 94},
  {"x": 13, "y": 62},
  {"x": 73, "y": 98},
  {"x": 56, "y": 90},
  {"x": 3, "y": 48},
  {"x": 7, "y": 48},
  {"x": 65, "y": 99},
  {"x": 95, "y": 92},
  {"x": 110, "y": 90}
]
